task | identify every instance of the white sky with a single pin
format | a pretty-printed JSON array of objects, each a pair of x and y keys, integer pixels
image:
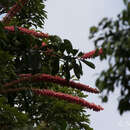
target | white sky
[{"x": 72, "y": 19}]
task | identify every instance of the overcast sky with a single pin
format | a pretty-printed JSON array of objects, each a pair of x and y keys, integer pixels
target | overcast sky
[{"x": 72, "y": 19}]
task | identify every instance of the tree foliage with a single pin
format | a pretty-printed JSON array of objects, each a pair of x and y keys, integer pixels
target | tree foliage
[
  {"x": 35, "y": 68},
  {"x": 114, "y": 38}
]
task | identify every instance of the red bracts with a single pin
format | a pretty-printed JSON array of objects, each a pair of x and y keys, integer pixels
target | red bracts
[
  {"x": 42, "y": 45},
  {"x": 27, "y": 31},
  {"x": 16, "y": 81},
  {"x": 24, "y": 75},
  {"x": 92, "y": 54},
  {"x": 59, "y": 95},
  {"x": 69, "y": 98},
  {"x": 13, "y": 90},
  {"x": 63, "y": 82},
  {"x": 13, "y": 11},
  {"x": 53, "y": 79}
]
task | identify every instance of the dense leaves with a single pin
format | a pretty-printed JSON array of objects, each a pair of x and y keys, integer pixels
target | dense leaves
[
  {"x": 114, "y": 37},
  {"x": 10, "y": 116},
  {"x": 31, "y": 14}
]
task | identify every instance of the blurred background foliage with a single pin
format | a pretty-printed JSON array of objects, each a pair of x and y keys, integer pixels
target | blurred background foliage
[{"x": 113, "y": 35}]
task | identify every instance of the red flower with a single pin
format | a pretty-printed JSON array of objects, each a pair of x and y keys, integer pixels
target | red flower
[
  {"x": 92, "y": 54},
  {"x": 43, "y": 44},
  {"x": 70, "y": 98}
]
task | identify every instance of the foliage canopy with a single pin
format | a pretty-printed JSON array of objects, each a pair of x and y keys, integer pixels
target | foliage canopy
[{"x": 33, "y": 64}]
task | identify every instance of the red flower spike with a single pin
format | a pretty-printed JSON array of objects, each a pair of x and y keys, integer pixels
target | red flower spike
[
  {"x": 69, "y": 98},
  {"x": 27, "y": 31},
  {"x": 13, "y": 90},
  {"x": 59, "y": 95},
  {"x": 16, "y": 81},
  {"x": 63, "y": 82},
  {"x": 13, "y": 11},
  {"x": 53, "y": 79},
  {"x": 24, "y": 75},
  {"x": 92, "y": 53},
  {"x": 43, "y": 45}
]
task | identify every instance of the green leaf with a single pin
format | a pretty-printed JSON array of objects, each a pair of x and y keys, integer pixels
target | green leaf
[
  {"x": 80, "y": 54},
  {"x": 62, "y": 47},
  {"x": 125, "y": 2},
  {"x": 77, "y": 70},
  {"x": 102, "y": 21},
  {"x": 90, "y": 64},
  {"x": 54, "y": 66},
  {"x": 68, "y": 46},
  {"x": 93, "y": 29},
  {"x": 107, "y": 24},
  {"x": 74, "y": 51},
  {"x": 105, "y": 99}
]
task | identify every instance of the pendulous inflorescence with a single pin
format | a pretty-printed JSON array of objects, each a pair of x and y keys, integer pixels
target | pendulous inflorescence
[
  {"x": 27, "y": 31},
  {"x": 92, "y": 54},
  {"x": 53, "y": 79},
  {"x": 14, "y": 10},
  {"x": 59, "y": 95}
]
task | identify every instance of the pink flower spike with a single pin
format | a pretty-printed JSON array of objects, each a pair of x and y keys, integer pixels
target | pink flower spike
[
  {"x": 16, "y": 81},
  {"x": 13, "y": 11},
  {"x": 59, "y": 95},
  {"x": 43, "y": 45},
  {"x": 63, "y": 82},
  {"x": 91, "y": 54},
  {"x": 69, "y": 98},
  {"x": 24, "y": 75},
  {"x": 27, "y": 31},
  {"x": 53, "y": 79},
  {"x": 12, "y": 90}
]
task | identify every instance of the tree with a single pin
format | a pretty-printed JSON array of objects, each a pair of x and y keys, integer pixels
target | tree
[
  {"x": 37, "y": 73},
  {"x": 114, "y": 38}
]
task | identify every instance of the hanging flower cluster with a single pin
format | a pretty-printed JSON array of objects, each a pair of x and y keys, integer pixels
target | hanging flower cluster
[
  {"x": 45, "y": 77},
  {"x": 59, "y": 95},
  {"x": 13, "y": 11},
  {"x": 92, "y": 54},
  {"x": 63, "y": 82},
  {"x": 53, "y": 79},
  {"x": 70, "y": 98},
  {"x": 12, "y": 90},
  {"x": 24, "y": 75},
  {"x": 12, "y": 83},
  {"x": 27, "y": 31}
]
